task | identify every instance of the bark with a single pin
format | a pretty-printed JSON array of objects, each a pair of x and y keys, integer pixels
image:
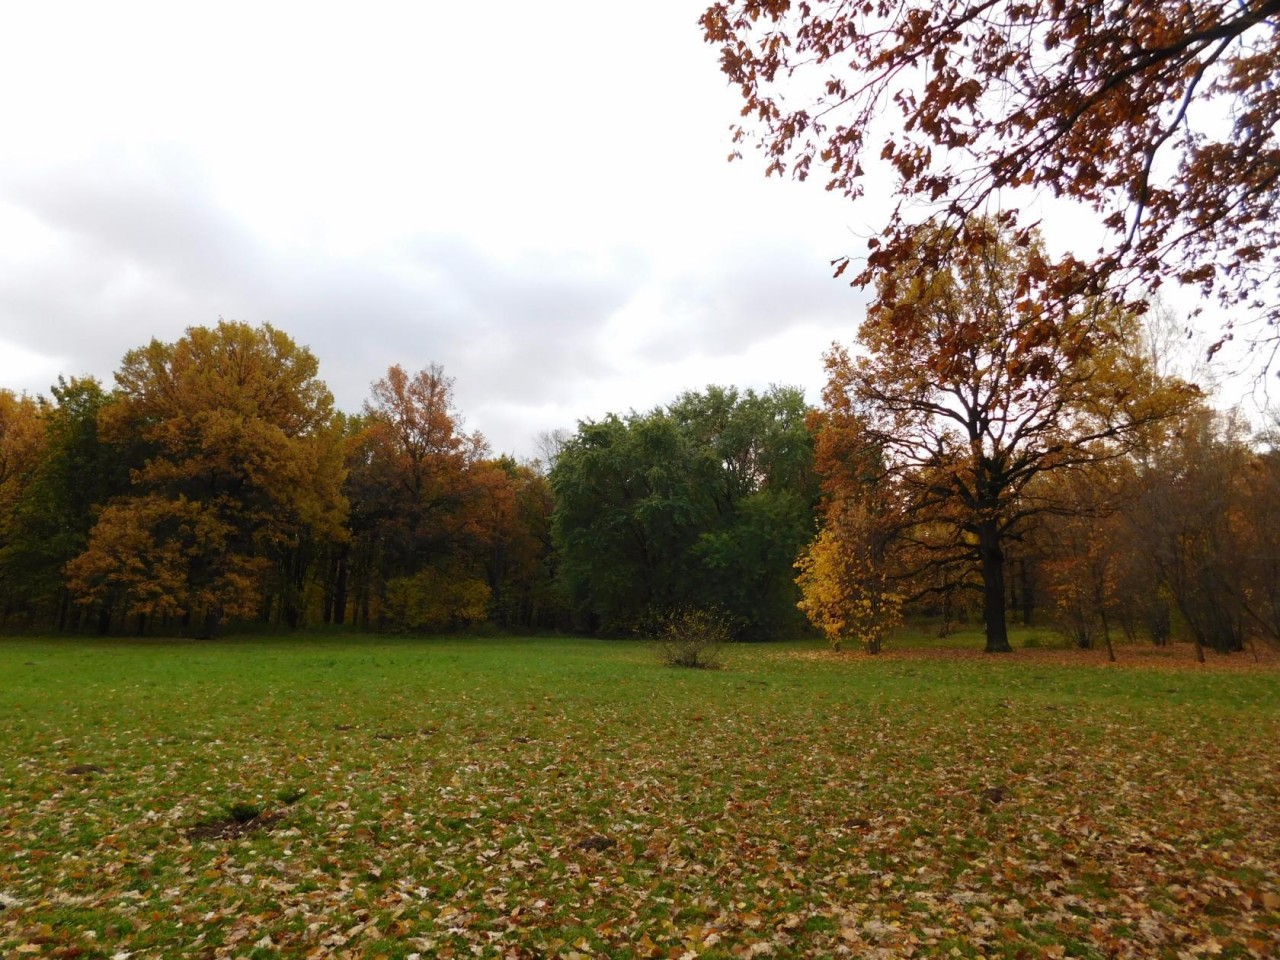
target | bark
[
  {"x": 993, "y": 591},
  {"x": 340, "y": 588}
]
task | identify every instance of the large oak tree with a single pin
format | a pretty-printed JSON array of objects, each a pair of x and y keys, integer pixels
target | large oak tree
[{"x": 959, "y": 403}]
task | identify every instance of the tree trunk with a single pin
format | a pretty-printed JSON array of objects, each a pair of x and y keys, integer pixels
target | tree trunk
[
  {"x": 993, "y": 588},
  {"x": 1106, "y": 634},
  {"x": 1028, "y": 593},
  {"x": 340, "y": 588},
  {"x": 212, "y": 623}
]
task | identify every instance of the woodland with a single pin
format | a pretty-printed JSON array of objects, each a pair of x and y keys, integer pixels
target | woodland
[
  {"x": 216, "y": 485},
  {"x": 1008, "y": 437}
]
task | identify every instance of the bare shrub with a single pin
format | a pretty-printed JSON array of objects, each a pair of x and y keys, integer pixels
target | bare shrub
[{"x": 692, "y": 637}]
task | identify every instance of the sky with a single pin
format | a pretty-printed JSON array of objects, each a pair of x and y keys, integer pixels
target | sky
[{"x": 534, "y": 196}]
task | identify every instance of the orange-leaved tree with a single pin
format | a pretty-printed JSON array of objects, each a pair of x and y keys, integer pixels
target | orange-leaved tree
[
  {"x": 237, "y": 464},
  {"x": 429, "y": 506},
  {"x": 961, "y": 402},
  {"x": 1163, "y": 117},
  {"x": 22, "y": 440}
]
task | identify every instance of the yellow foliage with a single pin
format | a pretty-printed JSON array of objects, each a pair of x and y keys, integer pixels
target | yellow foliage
[
  {"x": 435, "y": 600},
  {"x": 844, "y": 592}
]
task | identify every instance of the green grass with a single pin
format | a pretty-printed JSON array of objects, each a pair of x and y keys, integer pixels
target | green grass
[{"x": 366, "y": 797}]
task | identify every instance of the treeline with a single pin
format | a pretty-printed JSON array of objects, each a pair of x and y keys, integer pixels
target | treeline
[{"x": 215, "y": 482}]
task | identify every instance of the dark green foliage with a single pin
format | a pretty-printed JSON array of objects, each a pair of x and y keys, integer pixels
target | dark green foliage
[
  {"x": 77, "y": 474},
  {"x": 706, "y": 502}
]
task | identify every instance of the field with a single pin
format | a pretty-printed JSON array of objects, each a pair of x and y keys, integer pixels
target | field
[{"x": 552, "y": 797}]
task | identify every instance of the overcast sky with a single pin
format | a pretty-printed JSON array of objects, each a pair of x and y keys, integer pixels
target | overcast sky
[{"x": 534, "y": 195}]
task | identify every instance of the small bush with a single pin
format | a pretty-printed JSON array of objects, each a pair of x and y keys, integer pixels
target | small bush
[{"x": 692, "y": 637}]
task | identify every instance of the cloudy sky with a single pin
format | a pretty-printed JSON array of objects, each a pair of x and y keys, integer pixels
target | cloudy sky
[{"x": 533, "y": 195}]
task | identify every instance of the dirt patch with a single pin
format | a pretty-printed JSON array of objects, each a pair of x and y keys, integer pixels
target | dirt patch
[
  {"x": 84, "y": 770},
  {"x": 596, "y": 842},
  {"x": 232, "y": 828}
]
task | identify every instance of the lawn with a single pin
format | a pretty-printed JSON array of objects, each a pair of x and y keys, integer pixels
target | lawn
[{"x": 550, "y": 797}]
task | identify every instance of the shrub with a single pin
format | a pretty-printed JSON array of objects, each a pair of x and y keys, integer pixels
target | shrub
[{"x": 692, "y": 637}]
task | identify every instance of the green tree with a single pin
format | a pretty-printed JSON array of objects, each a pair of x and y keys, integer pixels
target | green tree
[
  {"x": 77, "y": 473},
  {"x": 704, "y": 503}
]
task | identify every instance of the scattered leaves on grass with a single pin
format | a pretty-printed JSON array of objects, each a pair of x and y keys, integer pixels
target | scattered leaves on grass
[
  {"x": 84, "y": 770},
  {"x": 835, "y": 811}
]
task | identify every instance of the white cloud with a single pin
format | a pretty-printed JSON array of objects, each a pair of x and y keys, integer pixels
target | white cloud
[{"x": 533, "y": 195}]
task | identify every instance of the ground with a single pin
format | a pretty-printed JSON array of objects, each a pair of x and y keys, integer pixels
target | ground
[{"x": 334, "y": 797}]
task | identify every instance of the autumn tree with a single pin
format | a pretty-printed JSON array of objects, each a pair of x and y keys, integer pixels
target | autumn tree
[
  {"x": 1083, "y": 543},
  {"x": 1162, "y": 117},
  {"x": 520, "y": 565},
  {"x": 427, "y": 506},
  {"x": 965, "y": 402},
  {"x": 1194, "y": 519},
  {"x": 236, "y": 466},
  {"x": 22, "y": 441}
]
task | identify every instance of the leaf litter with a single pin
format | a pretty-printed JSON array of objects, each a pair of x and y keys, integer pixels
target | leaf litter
[{"x": 841, "y": 810}]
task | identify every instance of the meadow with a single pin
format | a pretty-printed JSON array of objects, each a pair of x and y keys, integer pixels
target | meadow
[{"x": 371, "y": 797}]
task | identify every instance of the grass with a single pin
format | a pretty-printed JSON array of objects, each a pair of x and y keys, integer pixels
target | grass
[{"x": 551, "y": 797}]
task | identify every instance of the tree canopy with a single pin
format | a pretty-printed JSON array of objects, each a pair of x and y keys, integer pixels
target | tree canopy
[
  {"x": 957, "y": 406},
  {"x": 1162, "y": 117},
  {"x": 235, "y": 461},
  {"x": 703, "y": 503}
]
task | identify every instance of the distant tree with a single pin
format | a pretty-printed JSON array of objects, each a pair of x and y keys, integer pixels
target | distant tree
[
  {"x": 963, "y": 404},
  {"x": 1083, "y": 541},
  {"x": 1160, "y": 116},
  {"x": 625, "y": 520},
  {"x": 1193, "y": 520},
  {"x": 548, "y": 444},
  {"x": 520, "y": 565},
  {"x": 428, "y": 506},
  {"x": 22, "y": 445},
  {"x": 1261, "y": 546},
  {"x": 236, "y": 464},
  {"x": 704, "y": 503},
  {"x": 78, "y": 473}
]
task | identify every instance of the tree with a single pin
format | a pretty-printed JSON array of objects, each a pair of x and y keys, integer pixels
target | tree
[
  {"x": 1162, "y": 117},
  {"x": 236, "y": 464},
  {"x": 846, "y": 590},
  {"x": 963, "y": 404},
  {"x": 704, "y": 503},
  {"x": 1193, "y": 515},
  {"x": 22, "y": 444},
  {"x": 427, "y": 506},
  {"x": 1083, "y": 544},
  {"x": 77, "y": 473}
]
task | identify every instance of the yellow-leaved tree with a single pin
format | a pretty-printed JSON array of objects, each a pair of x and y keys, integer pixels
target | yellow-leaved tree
[{"x": 237, "y": 466}]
